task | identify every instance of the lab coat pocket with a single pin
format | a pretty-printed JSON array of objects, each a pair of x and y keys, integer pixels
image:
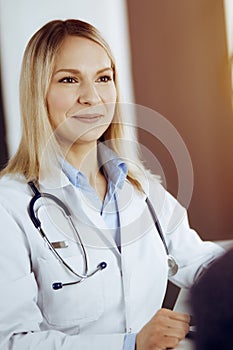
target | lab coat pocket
[{"x": 72, "y": 305}]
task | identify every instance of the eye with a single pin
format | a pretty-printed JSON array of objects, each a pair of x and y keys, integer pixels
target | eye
[
  {"x": 104, "y": 79},
  {"x": 68, "y": 80}
]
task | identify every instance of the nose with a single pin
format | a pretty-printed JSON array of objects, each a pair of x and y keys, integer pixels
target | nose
[{"x": 88, "y": 94}]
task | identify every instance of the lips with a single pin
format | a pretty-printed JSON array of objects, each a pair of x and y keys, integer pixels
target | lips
[{"x": 88, "y": 118}]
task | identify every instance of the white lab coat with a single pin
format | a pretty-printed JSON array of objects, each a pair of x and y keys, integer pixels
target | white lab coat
[{"x": 96, "y": 313}]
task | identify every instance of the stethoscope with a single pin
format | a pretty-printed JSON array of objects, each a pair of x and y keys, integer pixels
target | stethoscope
[{"x": 172, "y": 265}]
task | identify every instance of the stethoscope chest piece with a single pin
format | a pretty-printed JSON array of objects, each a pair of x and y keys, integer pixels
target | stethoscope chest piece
[{"x": 172, "y": 266}]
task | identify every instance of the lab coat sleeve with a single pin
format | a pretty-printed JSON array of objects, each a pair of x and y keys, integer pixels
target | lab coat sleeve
[
  {"x": 20, "y": 316},
  {"x": 191, "y": 253}
]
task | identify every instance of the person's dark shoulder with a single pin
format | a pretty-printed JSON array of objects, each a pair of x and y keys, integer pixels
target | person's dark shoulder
[
  {"x": 218, "y": 274},
  {"x": 213, "y": 291}
]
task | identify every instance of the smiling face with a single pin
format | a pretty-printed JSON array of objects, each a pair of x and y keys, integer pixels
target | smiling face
[{"x": 82, "y": 93}]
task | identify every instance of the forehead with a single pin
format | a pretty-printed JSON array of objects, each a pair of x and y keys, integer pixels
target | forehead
[{"x": 78, "y": 51}]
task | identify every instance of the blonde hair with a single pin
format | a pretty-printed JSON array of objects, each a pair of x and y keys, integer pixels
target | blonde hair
[{"x": 36, "y": 73}]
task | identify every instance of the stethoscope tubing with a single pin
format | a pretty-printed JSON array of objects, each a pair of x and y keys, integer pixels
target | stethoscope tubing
[
  {"x": 173, "y": 267},
  {"x": 67, "y": 213},
  {"x": 157, "y": 224}
]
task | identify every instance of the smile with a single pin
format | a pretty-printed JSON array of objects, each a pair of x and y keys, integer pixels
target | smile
[{"x": 88, "y": 118}]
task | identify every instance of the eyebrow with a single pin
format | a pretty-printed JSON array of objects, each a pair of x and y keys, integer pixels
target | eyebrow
[{"x": 76, "y": 71}]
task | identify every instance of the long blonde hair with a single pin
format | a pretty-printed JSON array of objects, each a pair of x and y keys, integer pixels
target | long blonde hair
[{"x": 36, "y": 73}]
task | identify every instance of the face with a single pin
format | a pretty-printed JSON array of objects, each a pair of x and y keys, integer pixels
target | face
[{"x": 82, "y": 94}]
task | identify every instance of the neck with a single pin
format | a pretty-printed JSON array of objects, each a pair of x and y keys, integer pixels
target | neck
[{"x": 84, "y": 158}]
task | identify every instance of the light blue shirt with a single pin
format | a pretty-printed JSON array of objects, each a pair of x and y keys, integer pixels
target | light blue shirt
[{"x": 115, "y": 171}]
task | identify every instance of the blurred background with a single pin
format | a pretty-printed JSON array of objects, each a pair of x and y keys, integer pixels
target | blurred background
[{"x": 174, "y": 57}]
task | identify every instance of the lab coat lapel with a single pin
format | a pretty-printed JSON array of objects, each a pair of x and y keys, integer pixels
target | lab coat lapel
[
  {"x": 133, "y": 214},
  {"x": 97, "y": 226}
]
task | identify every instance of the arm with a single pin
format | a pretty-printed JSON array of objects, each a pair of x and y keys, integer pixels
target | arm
[{"x": 190, "y": 252}]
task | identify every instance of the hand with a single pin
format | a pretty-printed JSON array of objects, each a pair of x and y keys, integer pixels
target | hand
[{"x": 165, "y": 330}]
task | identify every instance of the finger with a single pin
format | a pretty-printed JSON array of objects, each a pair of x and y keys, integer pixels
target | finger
[
  {"x": 177, "y": 332},
  {"x": 162, "y": 341},
  {"x": 179, "y": 316},
  {"x": 175, "y": 315},
  {"x": 170, "y": 326},
  {"x": 177, "y": 324},
  {"x": 169, "y": 342}
]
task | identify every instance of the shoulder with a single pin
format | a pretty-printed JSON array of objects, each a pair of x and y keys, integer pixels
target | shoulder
[
  {"x": 12, "y": 182},
  {"x": 12, "y": 189},
  {"x": 154, "y": 190},
  {"x": 157, "y": 193},
  {"x": 169, "y": 210},
  {"x": 219, "y": 274}
]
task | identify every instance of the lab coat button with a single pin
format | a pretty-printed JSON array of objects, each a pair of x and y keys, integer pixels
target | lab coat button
[{"x": 130, "y": 330}]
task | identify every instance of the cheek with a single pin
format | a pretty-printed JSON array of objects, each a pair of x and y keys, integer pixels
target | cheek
[
  {"x": 110, "y": 111},
  {"x": 110, "y": 101},
  {"x": 108, "y": 94},
  {"x": 57, "y": 107},
  {"x": 113, "y": 96},
  {"x": 57, "y": 102}
]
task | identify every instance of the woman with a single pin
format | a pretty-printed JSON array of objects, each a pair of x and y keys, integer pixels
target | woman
[{"x": 105, "y": 288}]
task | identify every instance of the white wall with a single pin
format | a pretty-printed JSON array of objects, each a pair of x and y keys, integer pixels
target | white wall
[
  {"x": 228, "y": 5},
  {"x": 20, "y": 19}
]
